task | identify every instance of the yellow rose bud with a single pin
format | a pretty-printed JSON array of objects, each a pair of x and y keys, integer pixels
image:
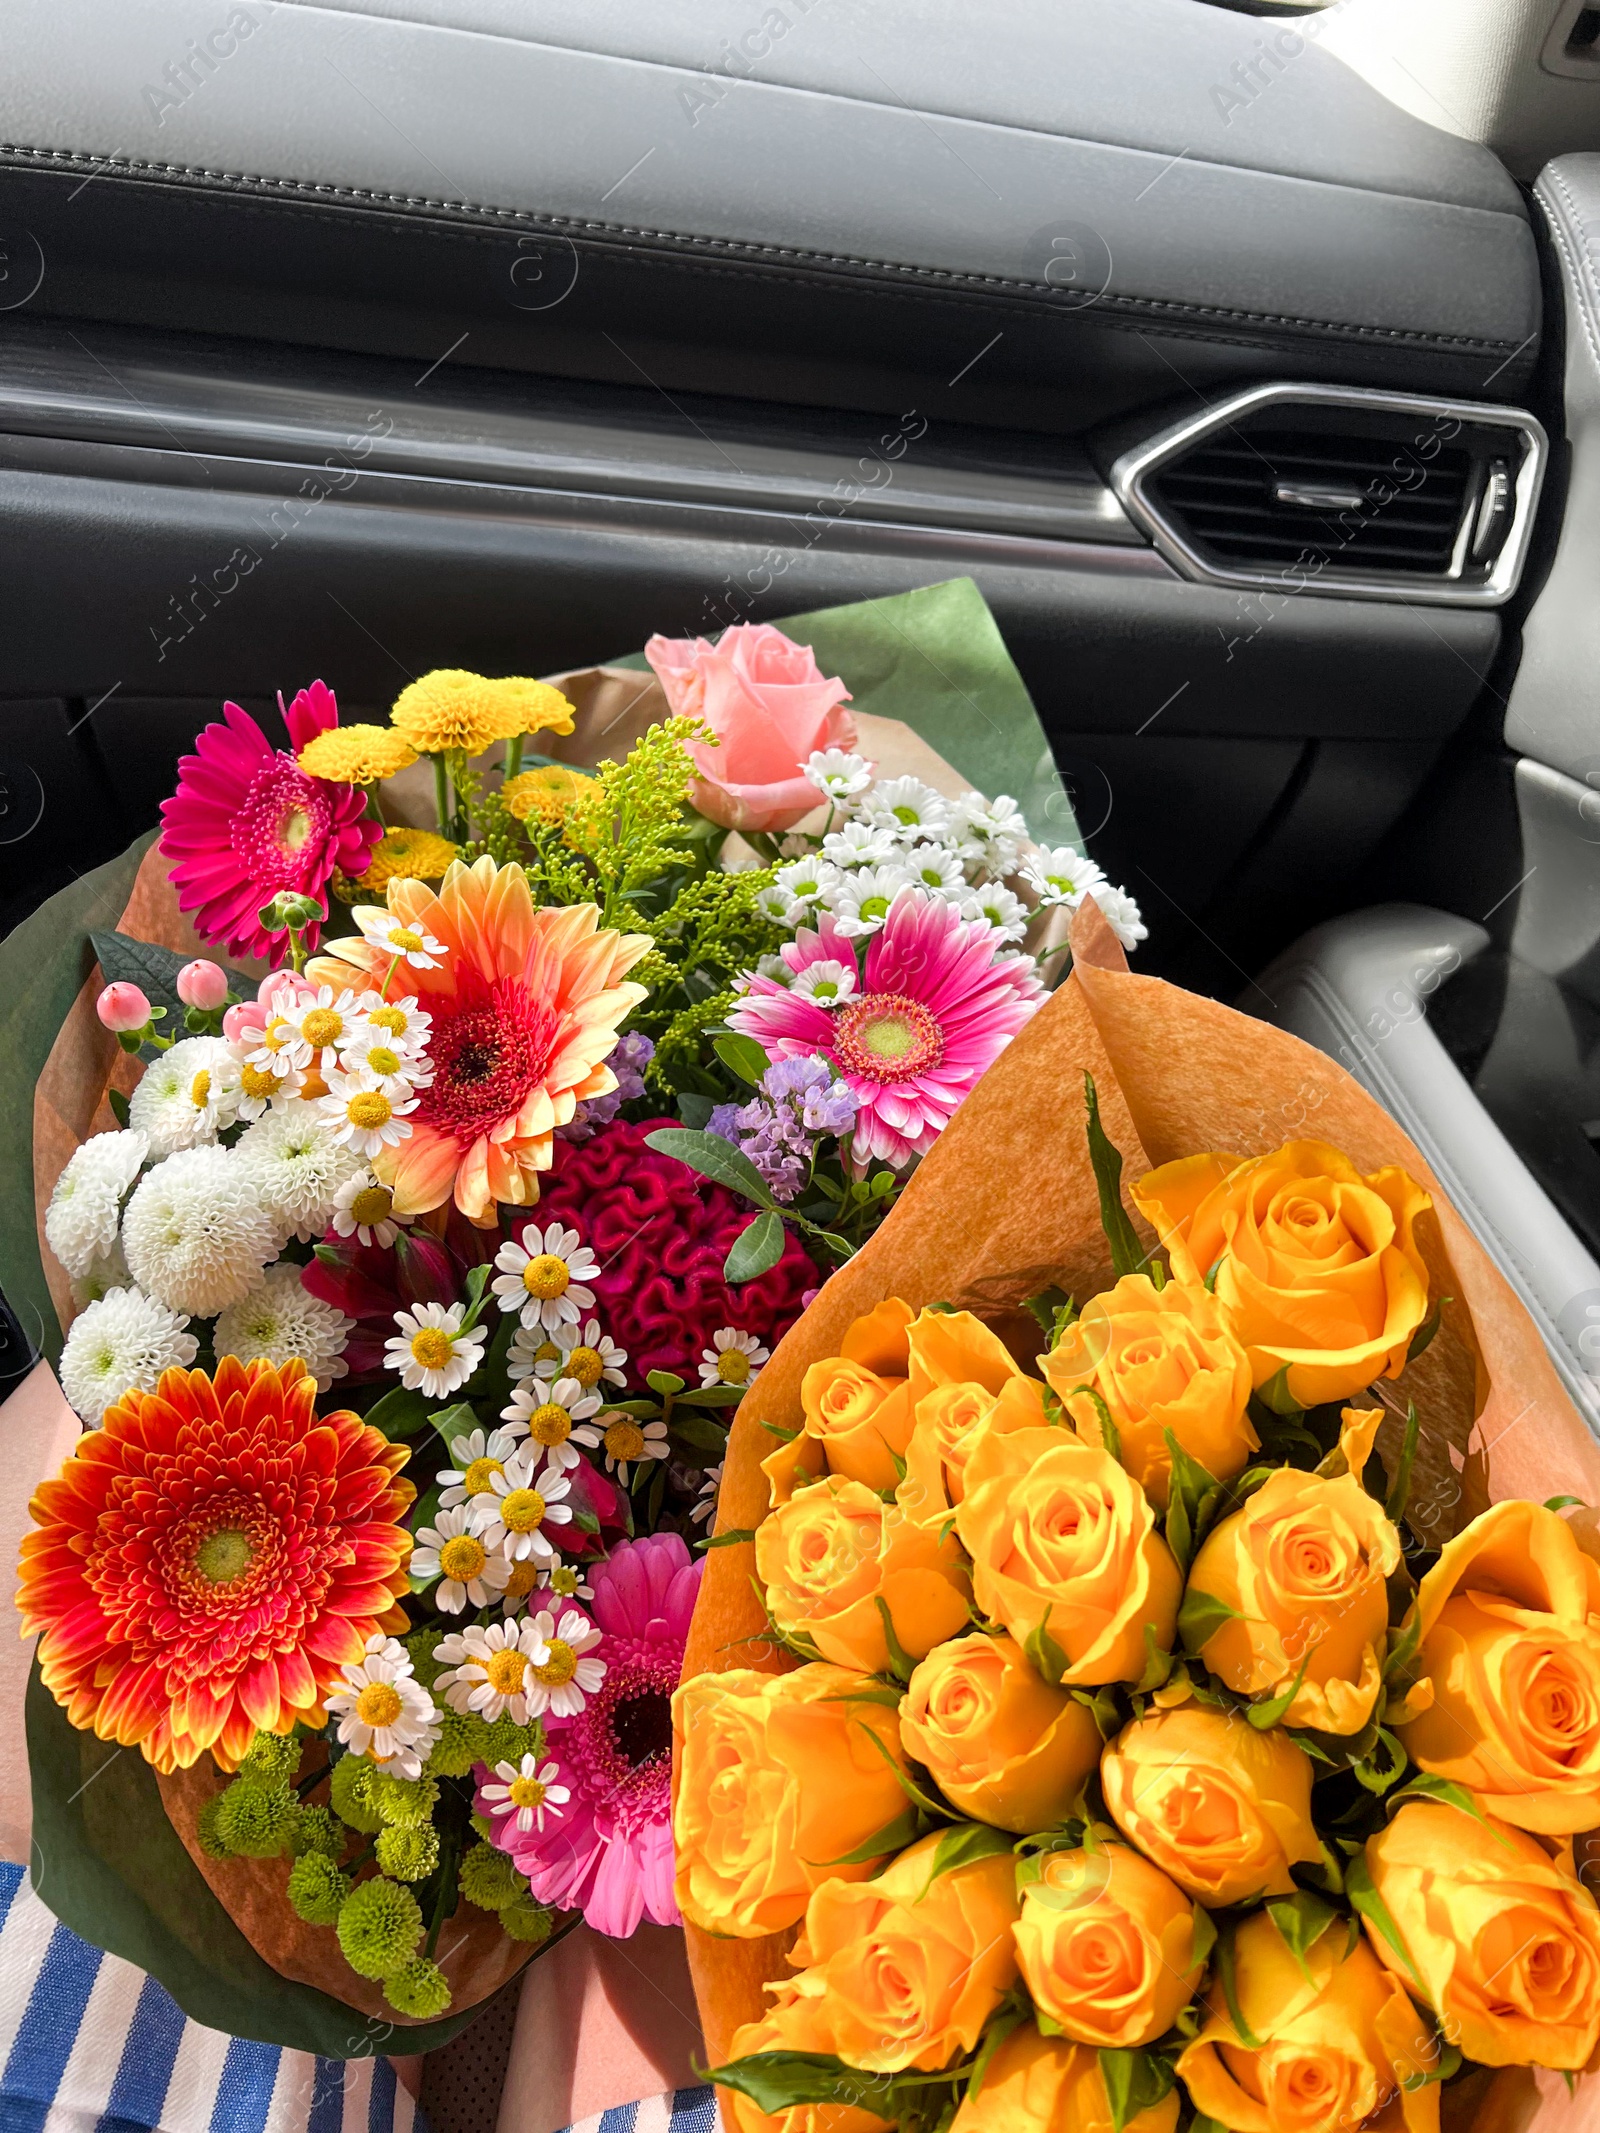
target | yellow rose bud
[
  {"x": 780, "y": 1776},
  {"x": 951, "y": 1422},
  {"x": 836, "y": 1559},
  {"x": 855, "y": 1410},
  {"x": 793, "y": 2025},
  {"x": 1510, "y": 1660},
  {"x": 1318, "y": 1266},
  {"x": 1304, "y": 1566},
  {"x": 1037, "y": 2084},
  {"x": 1221, "y": 1808},
  {"x": 1332, "y": 2044},
  {"x": 1501, "y": 1940},
  {"x": 1000, "y": 1743},
  {"x": 1107, "y": 1947},
  {"x": 1065, "y": 1552},
  {"x": 909, "y": 1968},
  {"x": 1160, "y": 1359}
]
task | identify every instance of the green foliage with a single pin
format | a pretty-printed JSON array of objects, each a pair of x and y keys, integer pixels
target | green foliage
[
  {"x": 349, "y": 1792},
  {"x": 379, "y": 1926},
  {"x": 419, "y": 1989},
  {"x": 317, "y": 1890},
  {"x": 254, "y": 1819},
  {"x": 408, "y": 1851},
  {"x": 489, "y": 1880}
]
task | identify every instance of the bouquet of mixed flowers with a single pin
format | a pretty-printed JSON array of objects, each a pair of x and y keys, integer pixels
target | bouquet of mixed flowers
[
  {"x": 412, "y": 1273},
  {"x": 1133, "y": 1661}
]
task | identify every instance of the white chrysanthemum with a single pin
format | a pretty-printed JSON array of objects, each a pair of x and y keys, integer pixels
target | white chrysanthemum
[
  {"x": 805, "y": 881},
  {"x": 404, "y": 1023},
  {"x": 196, "y": 1233},
  {"x": 1062, "y": 876},
  {"x": 826, "y": 982},
  {"x": 476, "y": 1456},
  {"x": 121, "y": 1344},
  {"x": 515, "y": 1514},
  {"x": 358, "y": 1113},
  {"x": 859, "y": 844},
  {"x": 413, "y": 945},
  {"x": 936, "y": 867},
  {"x": 907, "y": 808},
  {"x": 837, "y": 774},
  {"x": 546, "y": 1414},
  {"x": 186, "y": 1097},
  {"x": 279, "y": 1320},
  {"x": 995, "y": 904},
  {"x": 363, "y": 1208},
  {"x": 990, "y": 833},
  {"x": 1122, "y": 915},
  {"x": 86, "y": 1206},
  {"x": 297, "y": 1168},
  {"x": 388, "y": 1067},
  {"x": 322, "y": 1027},
  {"x": 384, "y": 1712},
  {"x": 527, "y": 1668},
  {"x": 100, "y": 1277},
  {"x": 861, "y": 902}
]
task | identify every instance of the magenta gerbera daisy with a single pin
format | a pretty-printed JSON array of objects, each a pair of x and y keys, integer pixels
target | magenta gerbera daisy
[
  {"x": 609, "y": 1853},
  {"x": 246, "y": 822},
  {"x": 940, "y": 998}
]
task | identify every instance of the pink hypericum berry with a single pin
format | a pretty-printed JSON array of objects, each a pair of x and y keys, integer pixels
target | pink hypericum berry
[
  {"x": 242, "y": 1021},
  {"x": 123, "y": 1007},
  {"x": 203, "y": 985}
]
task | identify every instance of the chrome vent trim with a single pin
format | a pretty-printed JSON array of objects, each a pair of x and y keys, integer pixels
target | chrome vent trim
[{"x": 1137, "y": 482}]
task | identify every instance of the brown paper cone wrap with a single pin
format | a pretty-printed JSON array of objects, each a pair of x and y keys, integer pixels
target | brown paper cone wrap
[{"x": 1006, "y": 1204}]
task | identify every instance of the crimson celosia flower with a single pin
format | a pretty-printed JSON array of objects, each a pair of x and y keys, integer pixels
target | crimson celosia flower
[
  {"x": 210, "y": 1558},
  {"x": 246, "y": 822}
]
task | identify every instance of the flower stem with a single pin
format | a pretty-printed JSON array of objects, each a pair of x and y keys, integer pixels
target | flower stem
[
  {"x": 441, "y": 794},
  {"x": 376, "y": 804},
  {"x": 445, "y": 1902},
  {"x": 513, "y": 756}
]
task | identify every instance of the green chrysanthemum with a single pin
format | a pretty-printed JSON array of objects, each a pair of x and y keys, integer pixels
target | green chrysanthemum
[
  {"x": 254, "y": 1820},
  {"x": 420, "y": 1644},
  {"x": 489, "y": 1880},
  {"x": 380, "y": 1924},
  {"x": 482, "y": 1825},
  {"x": 349, "y": 1791},
  {"x": 419, "y": 1989},
  {"x": 317, "y": 1890},
  {"x": 527, "y": 1920},
  {"x": 404, "y": 1801},
  {"x": 507, "y": 1742},
  {"x": 272, "y": 1758},
  {"x": 318, "y": 1830},
  {"x": 409, "y": 1851},
  {"x": 206, "y": 1828},
  {"x": 461, "y": 1742}
]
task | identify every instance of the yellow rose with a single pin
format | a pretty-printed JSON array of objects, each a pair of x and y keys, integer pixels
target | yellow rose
[
  {"x": 1318, "y": 1266},
  {"x": 836, "y": 1559},
  {"x": 791, "y": 2026},
  {"x": 908, "y": 1968},
  {"x": 1106, "y": 1944},
  {"x": 1501, "y": 1940},
  {"x": 1037, "y": 2084},
  {"x": 1160, "y": 1359},
  {"x": 951, "y": 1421},
  {"x": 1065, "y": 1551},
  {"x": 779, "y": 1775},
  {"x": 1333, "y": 2049},
  {"x": 856, "y": 1413},
  {"x": 1000, "y": 1743},
  {"x": 1304, "y": 1566},
  {"x": 1510, "y": 1657},
  {"x": 1221, "y": 1808}
]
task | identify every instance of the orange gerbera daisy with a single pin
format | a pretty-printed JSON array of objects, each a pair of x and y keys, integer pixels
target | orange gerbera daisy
[
  {"x": 526, "y": 1004},
  {"x": 210, "y": 1558}
]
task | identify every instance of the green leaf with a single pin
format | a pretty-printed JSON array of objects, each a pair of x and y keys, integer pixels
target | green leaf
[
  {"x": 716, "y": 1159},
  {"x": 743, "y": 1057},
  {"x": 694, "y": 1109},
  {"x": 1402, "y": 1653},
  {"x": 1205, "y": 1934},
  {"x": 1565, "y": 1503},
  {"x": 758, "y": 1246},
  {"x": 1055, "y": 1311},
  {"x": 1103, "y": 1704},
  {"x": 713, "y": 1396},
  {"x": 1007, "y": 2020},
  {"x": 400, "y": 1414},
  {"x": 1201, "y": 1616},
  {"x": 1301, "y": 1921},
  {"x": 1111, "y": 1436},
  {"x": 1384, "y": 1767},
  {"x": 1400, "y": 1488},
  {"x": 1362, "y": 1892},
  {"x": 1134, "y": 2082},
  {"x": 1192, "y": 1498},
  {"x": 963, "y": 1845},
  {"x": 1275, "y": 1394},
  {"x": 912, "y": 1790},
  {"x": 892, "y": 1837},
  {"x": 119, "y": 1106},
  {"x": 734, "y": 1537},
  {"x": 664, "y": 1382},
  {"x": 125, "y": 961},
  {"x": 1449, "y": 1794},
  {"x": 1157, "y": 1664},
  {"x": 1215, "y": 1270},
  {"x": 1127, "y": 1255},
  {"x": 776, "y": 2082},
  {"x": 1225, "y": 1974},
  {"x": 1425, "y": 1332},
  {"x": 698, "y": 1432},
  {"x": 841, "y": 1246},
  {"x": 901, "y": 1663},
  {"x": 1044, "y": 1652},
  {"x": 1270, "y": 1711}
]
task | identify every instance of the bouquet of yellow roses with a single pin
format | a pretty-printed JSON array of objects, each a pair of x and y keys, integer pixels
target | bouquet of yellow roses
[{"x": 1148, "y": 1672}]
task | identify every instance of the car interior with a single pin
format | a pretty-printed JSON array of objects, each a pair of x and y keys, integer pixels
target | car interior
[{"x": 1246, "y": 355}]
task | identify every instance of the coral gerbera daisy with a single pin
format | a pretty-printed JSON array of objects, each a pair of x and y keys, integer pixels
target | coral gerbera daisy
[
  {"x": 526, "y": 1004},
  {"x": 247, "y": 822},
  {"x": 938, "y": 1003},
  {"x": 210, "y": 1560}
]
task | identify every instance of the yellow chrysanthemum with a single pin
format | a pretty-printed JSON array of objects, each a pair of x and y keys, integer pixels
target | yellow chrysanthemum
[
  {"x": 356, "y": 755},
  {"x": 398, "y": 855},
  {"x": 451, "y": 711},
  {"x": 547, "y": 791}
]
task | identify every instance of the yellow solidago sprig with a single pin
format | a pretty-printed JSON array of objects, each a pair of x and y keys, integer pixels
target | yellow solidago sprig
[
  {"x": 356, "y": 755},
  {"x": 632, "y": 825}
]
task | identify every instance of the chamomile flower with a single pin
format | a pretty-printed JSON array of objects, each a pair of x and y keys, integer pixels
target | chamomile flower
[
  {"x": 535, "y": 1353},
  {"x": 477, "y": 1457},
  {"x": 862, "y": 900},
  {"x": 1062, "y": 876},
  {"x": 625, "y": 1442},
  {"x": 431, "y": 1352},
  {"x": 122, "y": 1343},
  {"x": 527, "y": 1791},
  {"x": 296, "y": 1166},
  {"x": 907, "y": 808},
  {"x": 86, "y": 1206},
  {"x": 322, "y": 1027},
  {"x": 274, "y": 1051},
  {"x": 592, "y": 1358},
  {"x": 990, "y": 833},
  {"x": 543, "y": 1277},
  {"x": 524, "y": 1507},
  {"x": 550, "y": 1414},
  {"x": 995, "y": 904},
  {"x": 705, "y": 1506},
  {"x": 384, "y": 1712},
  {"x": 360, "y": 1115},
  {"x": 837, "y": 774},
  {"x": 386, "y": 1066},
  {"x": 469, "y": 1572},
  {"x": 858, "y": 844},
  {"x": 279, "y": 1320},
  {"x": 413, "y": 945},
  {"x": 566, "y": 1581},
  {"x": 1122, "y": 915},
  {"x": 403, "y": 1022},
  {"x": 830, "y": 984},
  {"x": 186, "y": 1097},
  {"x": 936, "y": 867},
  {"x": 734, "y": 1358},
  {"x": 487, "y": 1670},
  {"x": 525, "y": 1580},
  {"x": 260, "y": 1088},
  {"x": 363, "y": 1208}
]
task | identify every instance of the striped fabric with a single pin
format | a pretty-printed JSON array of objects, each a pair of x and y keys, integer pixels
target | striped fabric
[
  {"x": 89, "y": 2044},
  {"x": 685, "y": 2111}
]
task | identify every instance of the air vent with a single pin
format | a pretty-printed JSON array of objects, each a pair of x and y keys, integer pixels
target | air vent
[{"x": 1322, "y": 489}]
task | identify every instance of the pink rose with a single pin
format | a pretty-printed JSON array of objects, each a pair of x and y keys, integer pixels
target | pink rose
[{"x": 770, "y": 706}]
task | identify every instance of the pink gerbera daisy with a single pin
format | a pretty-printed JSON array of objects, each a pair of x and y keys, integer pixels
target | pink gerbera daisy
[
  {"x": 246, "y": 822},
  {"x": 610, "y": 1852},
  {"x": 939, "y": 1001}
]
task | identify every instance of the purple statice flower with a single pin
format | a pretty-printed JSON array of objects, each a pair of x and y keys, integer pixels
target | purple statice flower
[
  {"x": 633, "y": 1054},
  {"x": 799, "y": 1102}
]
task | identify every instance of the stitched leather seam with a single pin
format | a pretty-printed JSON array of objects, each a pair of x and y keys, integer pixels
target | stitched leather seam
[
  {"x": 306, "y": 193},
  {"x": 1561, "y": 227}
]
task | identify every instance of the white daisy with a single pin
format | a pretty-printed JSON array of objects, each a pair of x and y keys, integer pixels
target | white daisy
[
  {"x": 837, "y": 774},
  {"x": 86, "y": 1206},
  {"x": 196, "y": 1233},
  {"x": 705, "y": 1508},
  {"x": 274, "y": 1052},
  {"x": 566, "y": 1581},
  {"x": 528, "y": 1791},
  {"x": 543, "y": 1277},
  {"x": 412, "y": 945},
  {"x": 279, "y": 1320},
  {"x": 989, "y": 832},
  {"x": 1061, "y": 876},
  {"x": 384, "y": 1712},
  {"x": 321, "y": 1028},
  {"x": 260, "y": 1087},
  {"x": 859, "y": 844},
  {"x": 403, "y": 1022},
  {"x": 395, "y": 1071},
  {"x": 431, "y": 1352},
  {"x": 477, "y": 1455},
  {"x": 121, "y": 1344},
  {"x": 467, "y": 1570},
  {"x": 186, "y": 1097},
  {"x": 805, "y": 881},
  {"x": 626, "y": 1443},
  {"x": 995, "y": 904},
  {"x": 526, "y": 1668},
  {"x": 734, "y": 1358},
  {"x": 936, "y": 867},
  {"x": 524, "y": 1581},
  {"x": 357, "y": 1112},
  {"x": 523, "y": 1506},
  {"x": 549, "y": 1415},
  {"x": 564, "y": 1675},
  {"x": 592, "y": 1358},
  {"x": 297, "y": 1167},
  {"x": 533, "y": 1352},
  {"x": 364, "y": 1208},
  {"x": 778, "y": 905},
  {"x": 907, "y": 808},
  {"x": 828, "y": 983},
  {"x": 1122, "y": 915},
  {"x": 861, "y": 902}
]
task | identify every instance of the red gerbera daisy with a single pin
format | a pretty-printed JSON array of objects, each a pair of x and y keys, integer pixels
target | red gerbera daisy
[
  {"x": 210, "y": 1558},
  {"x": 246, "y": 822}
]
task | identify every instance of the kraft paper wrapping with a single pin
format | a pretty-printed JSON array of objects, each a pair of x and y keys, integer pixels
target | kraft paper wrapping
[{"x": 1006, "y": 1204}]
